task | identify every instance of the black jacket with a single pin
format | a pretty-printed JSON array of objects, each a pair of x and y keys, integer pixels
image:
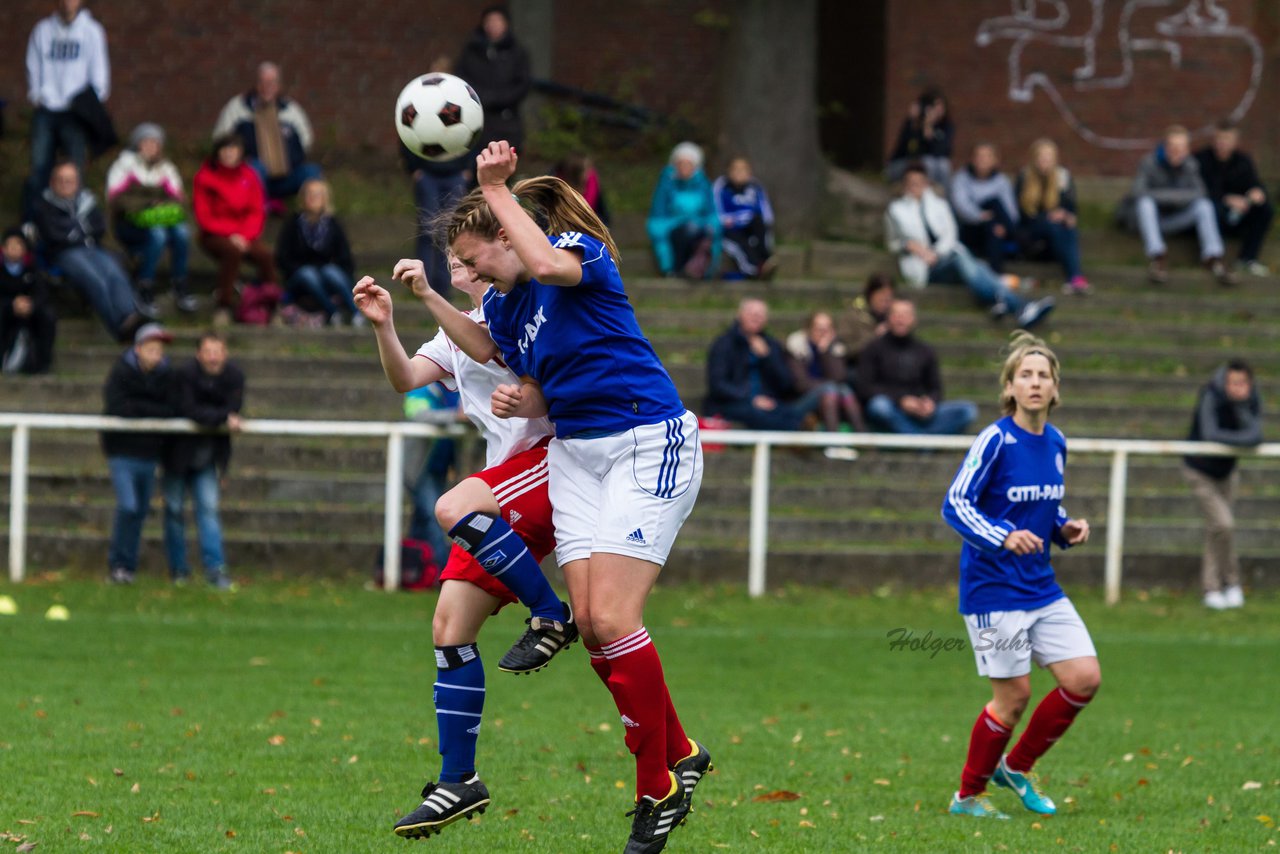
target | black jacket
[
  {"x": 1218, "y": 419},
  {"x": 729, "y": 371},
  {"x": 130, "y": 393},
  {"x": 206, "y": 399},
  {"x": 912, "y": 142},
  {"x": 499, "y": 72},
  {"x": 897, "y": 367},
  {"x": 293, "y": 251},
  {"x": 27, "y": 283},
  {"x": 1234, "y": 176},
  {"x": 100, "y": 131},
  {"x": 68, "y": 223}
]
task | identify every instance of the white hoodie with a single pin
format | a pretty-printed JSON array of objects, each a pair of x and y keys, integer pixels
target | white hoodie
[{"x": 62, "y": 59}]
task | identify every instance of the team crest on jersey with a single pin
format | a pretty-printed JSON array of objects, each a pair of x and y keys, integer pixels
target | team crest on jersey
[
  {"x": 569, "y": 240},
  {"x": 1057, "y": 461}
]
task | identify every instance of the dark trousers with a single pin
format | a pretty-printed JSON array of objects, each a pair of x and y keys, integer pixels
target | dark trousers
[
  {"x": 1061, "y": 241},
  {"x": 229, "y": 259},
  {"x": 41, "y": 324},
  {"x": 51, "y": 132},
  {"x": 433, "y": 193},
  {"x": 981, "y": 237},
  {"x": 748, "y": 246},
  {"x": 1251, "y": 228},
  {"x": 782, "y": 417}
]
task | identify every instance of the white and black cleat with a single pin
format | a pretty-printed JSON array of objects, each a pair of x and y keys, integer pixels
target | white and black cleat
[
  {"x": 443, "y": 804},
  {"x": 540, "y": 643}
]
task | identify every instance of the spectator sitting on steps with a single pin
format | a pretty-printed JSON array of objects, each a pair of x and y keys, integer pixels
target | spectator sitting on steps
[
  {"x": 748, "y": 379},
  {"x": 900, "y": 373}
]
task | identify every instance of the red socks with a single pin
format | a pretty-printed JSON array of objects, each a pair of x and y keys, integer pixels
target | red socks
[
  {"x": 632, "y": 671},
  {"x": 1051, "y": 718},
  {"x": 986, "y": 744}
]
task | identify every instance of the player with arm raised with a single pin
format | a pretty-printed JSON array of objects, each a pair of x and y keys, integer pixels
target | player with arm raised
[
  {"x": 626, "y": 461},
  {"x": 511, "y": 493},
  {"x": 1006, "y": 502}
]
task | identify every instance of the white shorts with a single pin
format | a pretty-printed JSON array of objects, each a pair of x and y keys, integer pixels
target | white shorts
[
  {"x": 627, "y": 493},
  {"x": 1006, "y": 642}
]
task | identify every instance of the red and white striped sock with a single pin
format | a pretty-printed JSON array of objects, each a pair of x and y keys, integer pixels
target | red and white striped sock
[
  {"x": 1049, "y": 721},
  {"x": 986, "y": 744},
  {"x": 639, "y": 690}
]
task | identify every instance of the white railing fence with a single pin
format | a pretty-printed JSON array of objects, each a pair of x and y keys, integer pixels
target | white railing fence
[{"x": 761, "y": 442}]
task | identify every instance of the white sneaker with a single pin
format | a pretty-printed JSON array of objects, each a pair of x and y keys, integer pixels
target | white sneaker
[
  {"x": 840, "y": 452},
  {"x": 1216, "y": 600},
  {"x": 1253, "y": 268},
  {"x": 1233, "y": 596}
]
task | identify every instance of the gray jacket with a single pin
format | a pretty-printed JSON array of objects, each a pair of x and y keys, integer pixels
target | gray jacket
[{"x": 1171, "y": 186}]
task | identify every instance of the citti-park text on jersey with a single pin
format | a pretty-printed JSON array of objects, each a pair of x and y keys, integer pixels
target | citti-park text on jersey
[{"x": 1036, "y": 492}]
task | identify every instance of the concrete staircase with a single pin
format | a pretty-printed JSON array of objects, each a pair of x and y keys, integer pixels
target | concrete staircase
[{"x": 1133, "y": 356}]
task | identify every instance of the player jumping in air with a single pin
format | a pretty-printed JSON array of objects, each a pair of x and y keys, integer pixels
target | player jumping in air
[
  {"x": 1006, "y": 502},
  {"x": 510, "y": 497},
  {"x": 626, "y": 462}
]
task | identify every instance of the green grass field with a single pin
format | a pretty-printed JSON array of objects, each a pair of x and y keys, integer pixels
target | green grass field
[{"x": 296, "y": 716}]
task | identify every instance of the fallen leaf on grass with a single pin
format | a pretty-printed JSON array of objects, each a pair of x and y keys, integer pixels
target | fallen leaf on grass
[
  {"x": 807, "y": 824},
  {"x": 1267, "y": 821},
  {"x": 880, "y": 781},
  {"x": 135, "y": 788},
  {"x": 778, "y": 795},
  {"x": 276, "y": 740},
  {"x": 231, "y": 834},
  {"x": 27, "y": 846},
  {"x": 1251, "y": 784},
  {"x": 119, "y": 772},
  {"x": 86, "y": 813}
]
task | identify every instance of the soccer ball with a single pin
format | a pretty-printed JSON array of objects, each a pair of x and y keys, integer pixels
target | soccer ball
[{"x": 438, "y": 116}]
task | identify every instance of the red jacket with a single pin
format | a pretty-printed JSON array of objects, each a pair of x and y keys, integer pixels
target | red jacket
[{"x": 229, "y": 201}]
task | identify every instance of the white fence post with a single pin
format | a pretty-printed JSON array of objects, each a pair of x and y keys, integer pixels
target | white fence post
[
  {"x": 759, "y": 526},
  {"x": 395, "y": 500},
  {"x": 18, "y": 502},
  {"x": 1115, "y": 524}
]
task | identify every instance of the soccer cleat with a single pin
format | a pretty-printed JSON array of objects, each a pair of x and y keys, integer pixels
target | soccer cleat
[
  {"x": 978, "y": 806},
  {"x": 654, "y": 820},
  {"x": 1024, "y": 786},
  {"x": 691, "y": 769},
  {"x": 540, "y": 643},
  {"x": 444, "y": 804}
]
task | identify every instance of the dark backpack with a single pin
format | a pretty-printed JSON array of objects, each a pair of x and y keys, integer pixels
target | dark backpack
[{"x": 418, "y": 567}]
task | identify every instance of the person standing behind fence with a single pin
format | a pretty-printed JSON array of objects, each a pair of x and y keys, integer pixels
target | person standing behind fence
[
  {"x": 1006, "y": 503},
  {"x": 210, "y": 391},
  {"x": 1228, "y": 410},
  {"x": 497, "y": 67},
  {"x": 139, "y": 386}
]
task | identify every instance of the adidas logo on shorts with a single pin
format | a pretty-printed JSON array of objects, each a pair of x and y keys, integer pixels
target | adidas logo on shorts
[{"x": 637, "y": 537}]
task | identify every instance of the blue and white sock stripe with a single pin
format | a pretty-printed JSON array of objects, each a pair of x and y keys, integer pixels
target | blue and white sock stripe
[
  {"x": 440, "y": 711},
  {"x": 479, "y": 556},
  {"x": 966, "y": 513},
  {"x": 449, "y": 687},
  {"x": 670, "y": 458},
  {"x": 498, "y": 572}
]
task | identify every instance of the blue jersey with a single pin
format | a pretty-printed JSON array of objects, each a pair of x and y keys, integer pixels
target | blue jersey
[
  {"x": 1010, "y": 481},
  {"x": 738, "y": 206},
  {"x": 598, "y": 372}
]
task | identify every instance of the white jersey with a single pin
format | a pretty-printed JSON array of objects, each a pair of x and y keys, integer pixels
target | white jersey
[{"x": 475, "y": 382}]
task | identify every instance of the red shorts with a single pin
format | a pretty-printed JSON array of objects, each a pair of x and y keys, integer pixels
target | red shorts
[{"x": 520, "y": 485}]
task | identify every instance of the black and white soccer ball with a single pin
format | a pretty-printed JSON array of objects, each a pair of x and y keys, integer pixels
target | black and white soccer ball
[{"x": 439, "y": 116}]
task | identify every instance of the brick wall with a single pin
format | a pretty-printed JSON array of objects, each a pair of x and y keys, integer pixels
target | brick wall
[
  {"x": 177, "y": 62},
  {"x": 936, "y": 42}
]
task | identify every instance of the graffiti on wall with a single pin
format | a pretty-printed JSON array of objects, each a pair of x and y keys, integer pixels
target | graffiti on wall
[{"x": 1111, "y": 45}]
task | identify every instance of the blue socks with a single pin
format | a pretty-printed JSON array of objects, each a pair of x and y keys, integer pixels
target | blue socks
[
  {"x": 501, "y": 553},
  {"x": 459, "y": 699}
]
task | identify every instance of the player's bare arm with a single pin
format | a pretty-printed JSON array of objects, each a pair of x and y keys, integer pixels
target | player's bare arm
[
  {"x": 548, "y": 265},
  {"x": 471, "y": 338},
  {"x": 404, "y": 373}
]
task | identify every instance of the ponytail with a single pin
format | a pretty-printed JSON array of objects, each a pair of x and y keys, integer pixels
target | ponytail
[{"x": 548, "y": 201}]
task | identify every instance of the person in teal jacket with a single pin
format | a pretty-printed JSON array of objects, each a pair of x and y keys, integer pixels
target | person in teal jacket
[{"x": 683, "y": 226}]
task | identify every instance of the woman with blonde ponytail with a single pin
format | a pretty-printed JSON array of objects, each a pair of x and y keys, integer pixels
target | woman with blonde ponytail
[
  {"x": 625, "y": 464},
  {"x": 1006, "y": 502}
]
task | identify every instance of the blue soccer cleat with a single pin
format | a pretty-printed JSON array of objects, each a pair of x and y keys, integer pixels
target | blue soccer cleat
[
  {"x": 978, "y": 806},
  {"x": 1024, "y": 786}
]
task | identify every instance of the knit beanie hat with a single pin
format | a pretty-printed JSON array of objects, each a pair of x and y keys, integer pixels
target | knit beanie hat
[{"x": 146, "y": 130}]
